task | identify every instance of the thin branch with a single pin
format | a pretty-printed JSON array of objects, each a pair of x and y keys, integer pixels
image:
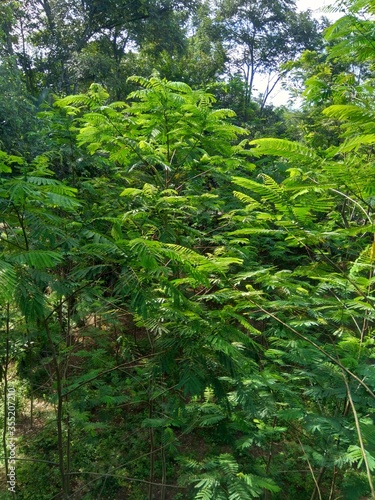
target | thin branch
[
  {"x": 127, "y": 477},
  {"x": 359, "y": 433},
  {"x": 317, "y": 488},
  {"x": 320, "y": 349},
  {"x": 104, "y": 372},
  {"x": 353, "y": 201}
]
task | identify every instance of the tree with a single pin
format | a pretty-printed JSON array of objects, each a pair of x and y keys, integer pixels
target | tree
[
  {"x": 63, "y": 35},
  {"x": 260, "y": 36},
  {"x": 166, "y": 280},
  {"x": 154, "y": 263}
]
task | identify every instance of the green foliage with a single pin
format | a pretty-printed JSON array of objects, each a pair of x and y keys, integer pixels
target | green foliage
[
  {"x": 260, "y": 36},
  {"x": 221, "y": 477},
  {"x": 167, "y": 282},
  {"x": 331, "y": 279},
  {"x": 167, "y": 131},
  {"x": 17, "y": 112}
]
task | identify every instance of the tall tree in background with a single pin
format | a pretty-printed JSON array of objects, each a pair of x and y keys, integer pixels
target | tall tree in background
[
  {"x": 17, "y": 115},
  {"x": 260, "y": 36},
  {"x": 63, "y": 46},
  {"x": 198, "y": 60},
  {"x": 60, "y": 40}
]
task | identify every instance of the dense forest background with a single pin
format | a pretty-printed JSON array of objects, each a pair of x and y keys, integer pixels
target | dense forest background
[{"x": 187, "y": 278}]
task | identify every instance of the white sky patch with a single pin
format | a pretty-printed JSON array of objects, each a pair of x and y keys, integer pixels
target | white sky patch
[{"x": 319, "y": 8}]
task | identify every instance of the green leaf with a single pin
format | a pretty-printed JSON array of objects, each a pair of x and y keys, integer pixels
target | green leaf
[
  {"x": 39, "y": 259},
  {"x": 8, "y": 280}
]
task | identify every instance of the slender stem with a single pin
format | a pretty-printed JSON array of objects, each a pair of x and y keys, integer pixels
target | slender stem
[
  {"x": 59, "y": 416},
  {"x": 333, "y": 483},
  {"x": 359, "y": 433},
  {"x": 22, "y": 224},
  {"x": 317, "y": 484},
  {"x": 5, "y": 424},
  {"x": 316, "y": 481},
  {"x": 151, "y": 431},
  {"x": 152, "y": 453},
  {"x": 163, "y": 489},
  {"x": 353, "y": 201},
  {"x": 371, "y": 274},
  {"x": 29, "y": 347},
  {"x": 31, "y": 408}
]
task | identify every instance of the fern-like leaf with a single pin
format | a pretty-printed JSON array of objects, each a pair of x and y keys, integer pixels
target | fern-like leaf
[{"x": 284, "y": 148}]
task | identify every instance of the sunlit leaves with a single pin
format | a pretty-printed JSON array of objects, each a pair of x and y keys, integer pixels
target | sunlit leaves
[
  {"x": 163, "y": 133},
  {"x": 222, "y": 478}
]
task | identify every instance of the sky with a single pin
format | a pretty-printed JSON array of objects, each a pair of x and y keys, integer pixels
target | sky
[{"x": 314, "y": 5}]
